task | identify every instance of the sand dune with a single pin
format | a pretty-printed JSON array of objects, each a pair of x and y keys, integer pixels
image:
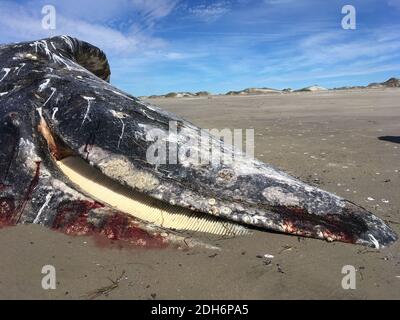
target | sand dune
[
  {"x": 312, "y": 89},
  {"x": 390, "y": 83}
]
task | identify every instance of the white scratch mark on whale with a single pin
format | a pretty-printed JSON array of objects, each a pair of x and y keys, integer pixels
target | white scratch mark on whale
[
  {"x": 68, "y": 41},
  {"x": 46, "y": 203},
  {"x": 44, "y": 46},
  {"x": 40, "y": 111},
  {"x": 122, "y": 133},
  {"x": 53, "y": 117},
  {"x": 35, "y": 44},
  {"x": 52, "y": 94},
  {"x": 57, "y": 58},
  {"x": 20, "y": 68},
  {"x": 44, "y": 85},
  {"x": 374, "y": 241},
  {"x": 3, "y": 93},
  {"x": 89, "y": 104},
  {"x": 61, "y": 60},
  {"x": 120, "y": 116},
  {"x": 7, "y": 71}
]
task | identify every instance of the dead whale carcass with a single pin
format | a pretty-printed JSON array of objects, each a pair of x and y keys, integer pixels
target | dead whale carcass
[{"x": 74, "y": 156}]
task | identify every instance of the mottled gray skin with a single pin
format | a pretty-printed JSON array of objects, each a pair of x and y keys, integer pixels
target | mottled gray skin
[{"x": 63, "y": 81}]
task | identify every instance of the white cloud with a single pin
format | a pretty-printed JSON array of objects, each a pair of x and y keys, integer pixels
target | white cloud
[
  {"x": 210, "y": 12},
  {"x": 148, "y": 11},
  {"x": 332, "y": 55},
  {"x": 21, "y": 23},
  {"x": 175, "y": 56},
  {"x": 154, "y": 9},
  {"x": 334, "y": 47}
]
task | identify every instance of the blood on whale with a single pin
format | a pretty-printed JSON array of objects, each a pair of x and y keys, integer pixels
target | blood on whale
[
  {"x": 7, "y": 211},
  {"x": 10, "y": 215},
  {"x": 298, "y": 221},
  {"x": 73, "y": 219},
  {"x": 29, "y": 192},
  {"x": 122, "y": 227}
]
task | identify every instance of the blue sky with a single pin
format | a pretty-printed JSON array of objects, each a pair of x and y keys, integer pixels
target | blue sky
[{"x": 158, "y": 46}]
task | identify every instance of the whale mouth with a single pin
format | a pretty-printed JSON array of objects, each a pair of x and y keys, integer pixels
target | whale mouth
[{"x": 109, "y": 192}]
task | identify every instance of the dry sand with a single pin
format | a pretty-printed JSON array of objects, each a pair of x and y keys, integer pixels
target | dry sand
[{"x": 328, "y": 138}]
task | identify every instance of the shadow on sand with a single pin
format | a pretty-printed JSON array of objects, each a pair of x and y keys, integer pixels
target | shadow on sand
[{"x": 393, "y": 139}]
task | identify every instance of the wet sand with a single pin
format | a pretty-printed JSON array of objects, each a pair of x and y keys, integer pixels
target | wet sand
[{"x": 330, "y": 139}]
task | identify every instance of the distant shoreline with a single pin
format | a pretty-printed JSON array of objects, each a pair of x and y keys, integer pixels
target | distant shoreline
[{"x": 391, "y": 83}]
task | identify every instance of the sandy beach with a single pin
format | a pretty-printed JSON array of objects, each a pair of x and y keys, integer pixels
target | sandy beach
[{"x": 337, "y": 140}]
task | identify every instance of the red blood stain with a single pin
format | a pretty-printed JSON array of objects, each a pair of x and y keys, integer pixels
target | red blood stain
[
  {"x": 124, "y": 228},
  {"x": 73, "y": 219},
  {"x": 28, "y": 193},
  {"x": 297, "y": 221},
  {"x": 7, "y": 211}
]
